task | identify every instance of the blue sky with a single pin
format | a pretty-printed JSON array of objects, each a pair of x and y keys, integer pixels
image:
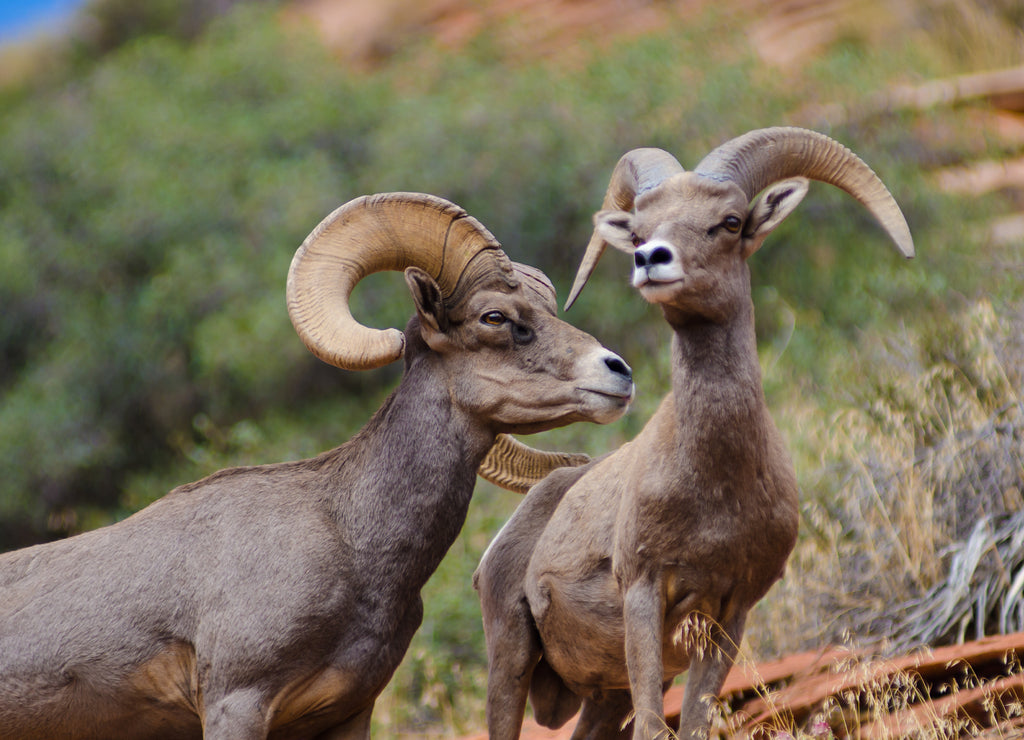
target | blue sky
[{"x": 26, "y": 17}]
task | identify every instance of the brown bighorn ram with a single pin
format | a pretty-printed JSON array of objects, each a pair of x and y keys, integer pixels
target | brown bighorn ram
[
  {"x": 588, "y": 589},
  {"x": 276, "y": 601}
]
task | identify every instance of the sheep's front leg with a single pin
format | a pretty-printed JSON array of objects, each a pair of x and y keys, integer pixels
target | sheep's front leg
[
  {"x": 354, "y": 728},
  {"x": 710, "y": 662},
  {"x": 236, "y": 716},
  {"x": 644, "y": 617}
]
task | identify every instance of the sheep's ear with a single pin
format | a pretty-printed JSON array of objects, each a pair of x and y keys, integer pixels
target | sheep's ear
[
  {"x": 616, "y": 228},
  {"x": 776, "y": 202},
  {"x": 426, "y": 294}
]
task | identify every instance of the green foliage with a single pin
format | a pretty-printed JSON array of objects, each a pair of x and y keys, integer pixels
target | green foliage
[{"x": 147, "y": 228}]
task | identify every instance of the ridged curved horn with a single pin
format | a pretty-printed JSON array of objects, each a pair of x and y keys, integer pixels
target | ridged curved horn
[
  {"x": 388, "y": 231},
  {"x": 516, "y": 467},
  {"x": 758, "y": 158},
  {"x": 637, "y": 171}
]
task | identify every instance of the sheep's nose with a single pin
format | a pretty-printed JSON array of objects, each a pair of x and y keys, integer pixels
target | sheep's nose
[
  {"x": 657, "y": 254},
  {"x": 618, "y": 366}
]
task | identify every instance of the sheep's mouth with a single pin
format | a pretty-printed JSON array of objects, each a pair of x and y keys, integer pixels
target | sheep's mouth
[
  {"x": 618, "y": 395},
  {"x": 653, "y": 280}
]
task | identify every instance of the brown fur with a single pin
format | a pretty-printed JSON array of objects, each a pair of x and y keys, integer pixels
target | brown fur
[
  {"x": 276, "y": 601},
  {"x": 588, "y": 591}
]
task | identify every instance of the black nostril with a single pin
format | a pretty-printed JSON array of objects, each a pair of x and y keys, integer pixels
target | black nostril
[
  {"x": 650, "y": 256},
  {"x": 617, "y": 366},
  {"x": 660, "y": 256}
]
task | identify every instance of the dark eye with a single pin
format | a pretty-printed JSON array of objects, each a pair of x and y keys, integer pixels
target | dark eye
[
  {"x": 493, "y": 318},
  {"x": 637, "y": 241},
  {"x": 732, "y": 224}
]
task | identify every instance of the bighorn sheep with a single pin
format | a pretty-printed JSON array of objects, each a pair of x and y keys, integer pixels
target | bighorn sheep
[
  {"x": 590, "y": 591},
  {"x": 277, "y": 601}
]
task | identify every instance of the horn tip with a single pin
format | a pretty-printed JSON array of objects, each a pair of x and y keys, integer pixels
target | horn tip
[
  {"x": 387, "y": 346},
  {"x": 577, "y": 288},
  {"x": 904, "y": 242}
]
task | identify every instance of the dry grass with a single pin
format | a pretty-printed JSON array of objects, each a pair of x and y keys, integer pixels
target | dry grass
[
  {"x": 912, "y": 526},
  {"x": 871, "y": 697}
]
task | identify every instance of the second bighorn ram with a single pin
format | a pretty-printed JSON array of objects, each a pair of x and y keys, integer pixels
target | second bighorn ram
[
  {"x": 600, "y": 586},
  {"x": 276, "y": 601}
]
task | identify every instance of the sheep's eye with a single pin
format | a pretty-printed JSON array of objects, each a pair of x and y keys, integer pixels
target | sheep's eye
[
  {"x": 493, "y": 318},
  {"x": 637, "y": 241},
  {"x": 732, "y": 224}
]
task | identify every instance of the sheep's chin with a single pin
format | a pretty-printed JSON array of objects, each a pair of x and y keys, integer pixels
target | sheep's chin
[
  {"x": 659, "y": 292},
  {"x": 604, "y": 408}
]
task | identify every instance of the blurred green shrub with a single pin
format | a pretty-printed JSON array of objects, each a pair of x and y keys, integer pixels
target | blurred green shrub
[{"x": 149, "y": 213}]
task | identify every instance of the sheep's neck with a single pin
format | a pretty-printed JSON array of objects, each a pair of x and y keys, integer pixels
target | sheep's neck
[
  {"x": 717, "y": 386},
  {"x": 418, "y": 458}
]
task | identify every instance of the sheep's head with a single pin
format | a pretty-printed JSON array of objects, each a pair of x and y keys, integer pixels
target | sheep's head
[
  {"x": 489, "y": 323},
  {"x": 690, "y": 233},
  {"x": 508, "y": 359}
]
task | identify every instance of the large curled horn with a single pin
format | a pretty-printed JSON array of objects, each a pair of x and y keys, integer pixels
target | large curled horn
[
  {"x": 392, "y": 231},
  {"x": 517, "y": 467},
  {"x": 637, "y": 171},
  {"x": 389, "y": 231},
  {"x": 758, "y": 158}
]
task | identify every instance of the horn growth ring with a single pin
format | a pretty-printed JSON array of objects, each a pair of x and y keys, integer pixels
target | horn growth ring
[{"x": 374, "y": 233}]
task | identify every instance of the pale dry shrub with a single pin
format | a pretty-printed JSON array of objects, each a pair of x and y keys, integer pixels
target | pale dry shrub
[{"x": 913, "y": 525}]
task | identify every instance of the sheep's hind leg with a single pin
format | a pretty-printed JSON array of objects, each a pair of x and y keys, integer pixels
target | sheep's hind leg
[
  {"x": 512, "y": 653},
  {"x": 513, "y": 645},
  {"x": 605, "y": 717}
]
